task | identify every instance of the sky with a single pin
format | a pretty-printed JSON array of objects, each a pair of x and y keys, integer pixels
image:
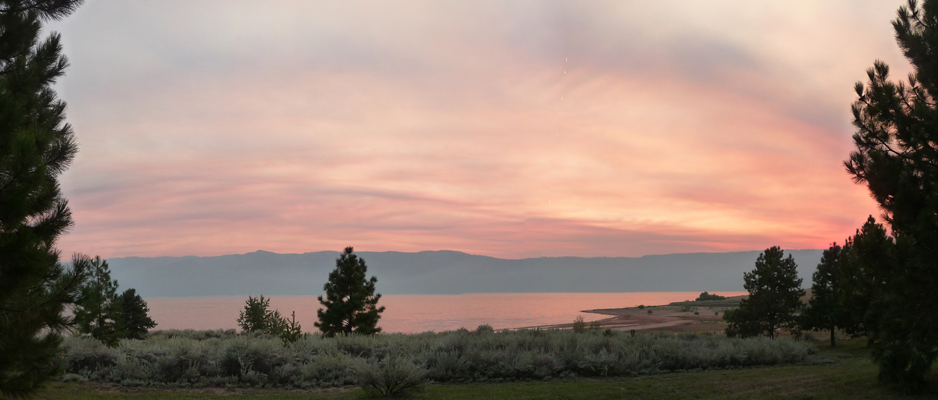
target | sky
[{"x": 504, "y": 128}]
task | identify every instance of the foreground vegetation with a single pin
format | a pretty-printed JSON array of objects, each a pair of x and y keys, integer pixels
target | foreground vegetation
[
  {"x": 196, "y": 359},
  {"x": 844, "y": 372}
]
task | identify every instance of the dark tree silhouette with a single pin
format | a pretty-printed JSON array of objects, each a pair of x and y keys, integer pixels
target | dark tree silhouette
[
  {"x": 291, "y": 331},
  {"x": 36, "y": 145},
  {"x": 774, "y": 297},
  {"x": 824, "y": 311},
  {"x": 351, "y": 301},
  {"x": 863, "y": 263},
  {"x": 258, "y": 317},
  {"x": 707, "y": 296},
  {"x": 97, "y": 311},
  {"x": 133, "y": 321},
  {"x": 897, "y": 158}
]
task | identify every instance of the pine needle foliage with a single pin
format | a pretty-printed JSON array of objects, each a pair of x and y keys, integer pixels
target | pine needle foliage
[
  {"x": 36, "y": 145},
  {"x": 291, "y": 331},
  {"x": 774, "y": 297},
  {"x": 865, "y": 260},
  {"x": 825, "y": 310},
  {"x": 98, "y": 311},
  {"x": 351, "y": 304},
  {"x": 102, "y": 313},
  {"x": 258, "y": 317},
  {"x": 896, "y": 157},
  {"x": 134, "y": 320}
]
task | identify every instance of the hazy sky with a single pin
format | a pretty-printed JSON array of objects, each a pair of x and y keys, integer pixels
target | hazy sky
[{"x": 511, "y": 129}]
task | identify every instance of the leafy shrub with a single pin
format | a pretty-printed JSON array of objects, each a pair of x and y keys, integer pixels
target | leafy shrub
[{"x": 579, "y": 326}]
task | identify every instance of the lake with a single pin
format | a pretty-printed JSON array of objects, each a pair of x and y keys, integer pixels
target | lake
[{"x": 418, "y": 313}]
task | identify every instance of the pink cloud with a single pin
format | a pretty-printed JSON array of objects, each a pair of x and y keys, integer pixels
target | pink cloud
[{"x": 429, "y": 131}]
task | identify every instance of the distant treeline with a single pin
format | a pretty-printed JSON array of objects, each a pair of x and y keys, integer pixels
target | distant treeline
[{"x": 710, "y": 300}]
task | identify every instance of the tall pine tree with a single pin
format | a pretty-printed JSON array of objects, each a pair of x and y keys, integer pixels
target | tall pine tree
[
  {"x": 36, "y": 145},
  {"x": 864, "y": 263},
  {"x": 824, "y": 309},
  {"x": 351, "y": 301},
  {"x": 897, "y": 158}
]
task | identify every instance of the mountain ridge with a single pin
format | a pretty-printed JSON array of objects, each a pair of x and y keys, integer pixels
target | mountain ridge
[{"x": 442, "y": 272}]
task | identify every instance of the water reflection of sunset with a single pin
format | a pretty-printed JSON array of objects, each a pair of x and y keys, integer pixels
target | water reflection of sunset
[{"x": 419, "y": 313}]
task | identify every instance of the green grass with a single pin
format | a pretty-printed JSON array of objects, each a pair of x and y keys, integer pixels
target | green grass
[{"x": 842, "y": 373}]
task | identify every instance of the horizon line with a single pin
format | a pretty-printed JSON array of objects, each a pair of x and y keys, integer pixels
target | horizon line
[{"x": 455, "y": 251}]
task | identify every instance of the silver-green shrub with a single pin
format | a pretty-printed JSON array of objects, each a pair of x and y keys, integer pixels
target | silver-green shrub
[
  {"x": 215, "y": 358},
  {"x": 393, "y": 376}
]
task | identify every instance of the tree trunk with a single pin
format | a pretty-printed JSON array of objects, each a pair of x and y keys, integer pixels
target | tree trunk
[{"x": 833, "y": 343}]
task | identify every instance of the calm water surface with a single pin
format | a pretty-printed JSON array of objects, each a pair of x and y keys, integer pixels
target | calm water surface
[{"x": 418, "y": 313}]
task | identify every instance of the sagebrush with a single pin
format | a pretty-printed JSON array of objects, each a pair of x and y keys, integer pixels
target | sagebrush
[{"x": 217, "y": 358}]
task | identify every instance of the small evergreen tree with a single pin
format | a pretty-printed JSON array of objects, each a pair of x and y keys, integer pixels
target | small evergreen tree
[
  {"x": 774, "y": 297},
  {"x": 258, "y": 317},
  {"x": 350, "y": 302},
  {"x": 824, "y": 311},
  {"x": 291, "y": 330},
  {"x": 36, "y": 145},
  {"x": 133, "y": 319},
  {"x": 98, "y": 311}
]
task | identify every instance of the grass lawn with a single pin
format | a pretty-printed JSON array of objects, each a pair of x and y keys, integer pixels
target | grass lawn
[{"x": 842, "y": 373}]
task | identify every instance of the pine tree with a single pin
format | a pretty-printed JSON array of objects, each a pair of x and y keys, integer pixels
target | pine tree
[
  {"x": 258, "y": 317},
  {"x": 133, "y": 320},
  {"x": 896, "y": 157},
  {"x": 864, "y": 263},
  {"x": 291, "y": 330},
  {"x": 36, "y": 145},
  {"x": 351, "y": 301},
  {"x": 824, "y": 309},
  {"x": 98, "y": 310},
  {"x": 774, "y": 297}
]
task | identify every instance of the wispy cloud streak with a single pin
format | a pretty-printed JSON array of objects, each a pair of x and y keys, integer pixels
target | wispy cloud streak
[{"x": 508, "y": 129}]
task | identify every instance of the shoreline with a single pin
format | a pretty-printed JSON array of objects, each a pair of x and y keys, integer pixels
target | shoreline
[{"x": 686, "y": 316}]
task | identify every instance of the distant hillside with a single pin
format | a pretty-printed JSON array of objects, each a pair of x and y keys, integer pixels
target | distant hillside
[{"x": 442, "y": 272}]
